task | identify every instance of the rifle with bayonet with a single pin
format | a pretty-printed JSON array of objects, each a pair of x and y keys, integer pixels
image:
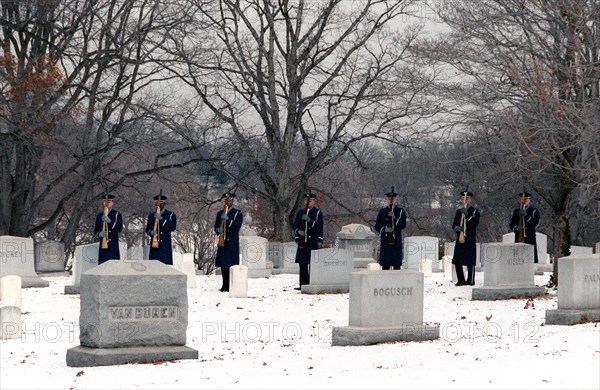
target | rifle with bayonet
[
  {"x": 463, "y": 233},
  {"x": 155, "y": 240},
  {"x": 104, "y": 244},
  {"x": 391, "y": 236},
  {"x": 522, "y": 234},
  {"x": 223, "y": 234}
]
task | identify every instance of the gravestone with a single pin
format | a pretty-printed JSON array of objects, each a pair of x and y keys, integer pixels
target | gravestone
[
  {"x": 509, "y": 272},
  {"x": 373, "y": 267},
  {"x": 131, "y": 312},
  {"x": 385, "y": 307},
  {"x": 135, "y": 253},
  {"x": 425, "y": 267},
  {"x": 10, "y": 307},
  {"x": 86, "y": 258},
  {"x": 330, "y": 270},
  {"x": 188, "y": 267},
  {"x": 581, "y": 250},
  {"x": 17, "y": 258},
  {"x": 419, "y": 248},
  {"x": 177, "y": 260},
  {"x": 253, "y": 254},
  {"x": 542, "y": 250},
  {"x": 49, "y": 256},
  {"x": 283, "y": 256},
  {"x": 578, "y": 291},
  {"x": 358, "y": 239},
  {"x": 597, "y": 247},
  {"x": 238, "y": 281},
  {"x": 447, "y": 266},
  {"x": 253, "y": 251}
]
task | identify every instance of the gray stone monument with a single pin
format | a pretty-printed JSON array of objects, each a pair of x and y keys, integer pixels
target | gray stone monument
[
  {"x": 17, "y": 257},
  {"x": 358, "y": 239},
  {"x": 509, "y": 272},
  {"x": 238, "y": 281},
  {"x": 283, "y": 256},
  {"x": 188, "y": 267},
  {"x": 542, "y": 249},
  {"x": 49, "y": 256},
  {"x": 86, "y": 258},
  {"x": 578, "y": 291},
  {"x": 581, "y": 250},
  {"x": 385, "y": 307},
  {"x": 10, "y": 307},
  {"x": 177, "y": 261},
  {"x": 419, "y": 248},
  {"x": 330, "y": 271},
  {"x": 131, "y": 312},
  {"x": 253, "y": 254}
]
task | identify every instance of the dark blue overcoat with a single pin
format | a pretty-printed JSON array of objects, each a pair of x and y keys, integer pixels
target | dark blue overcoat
[
  {"x": 314, "y": 235},
  {"x": 531, "y": 218},
  {"x": 390, "y": 254},
  {"x": 466, "y": 253},
  {"x": 114, "y": 228},
  {"x": 229, "y": 254},
  {"x": 168, "y": 224}
]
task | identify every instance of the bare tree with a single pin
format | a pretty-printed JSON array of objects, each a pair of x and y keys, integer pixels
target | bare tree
[
  {"x": 290, "y": 86},
  {"x": 530, "y": 75},
  {"x": 77, "y": 81}
]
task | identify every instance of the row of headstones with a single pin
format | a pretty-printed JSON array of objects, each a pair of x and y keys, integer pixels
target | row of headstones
[
  {"x": 86, "y": 258},
  {"x": 384, "y": 306},
  {"x": 17, "y": 256},
  {"x": 260, "y": 256}
]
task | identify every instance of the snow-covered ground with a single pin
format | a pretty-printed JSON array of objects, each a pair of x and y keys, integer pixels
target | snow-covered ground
[{"x": 280, "y": 338}]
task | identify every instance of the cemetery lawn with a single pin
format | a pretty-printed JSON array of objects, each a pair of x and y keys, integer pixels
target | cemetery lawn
[{"x": 278, "y": 338}]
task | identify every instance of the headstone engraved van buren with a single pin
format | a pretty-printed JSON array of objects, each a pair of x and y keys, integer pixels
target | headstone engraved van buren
[{"x": 131, "y": 312}]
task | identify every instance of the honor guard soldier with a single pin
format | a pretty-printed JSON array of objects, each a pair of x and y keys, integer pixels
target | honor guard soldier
[
  {"x": 159, "y": 227},
  {"x": 108, "y": 225},
  {"x": 227, "y": 227},
  {"x": 523, "y": 222},
  {"x": 308, "y": 234},
  {"x": 389, "y": 224},
  {"x": 465, "y": 224}
]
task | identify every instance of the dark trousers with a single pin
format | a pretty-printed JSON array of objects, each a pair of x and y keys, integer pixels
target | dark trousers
[
  {"x": 304, "y": 274},
  {"x": 460, "y": 275},
  {"x": 225, "y": 274},
  {"x": 387, "y": 267}
]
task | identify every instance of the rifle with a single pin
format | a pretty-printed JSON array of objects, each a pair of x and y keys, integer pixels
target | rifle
[
  {"x": 463, "y": 233},
  {"x": 391, "y": 237},
  {"x": 104, "y": 244},
  {"x": 155, "y": 242},
  {"x": 522, "y": 220},
  {"x": 222, "y": 235},
  {"x": 302, "y": 240}
]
